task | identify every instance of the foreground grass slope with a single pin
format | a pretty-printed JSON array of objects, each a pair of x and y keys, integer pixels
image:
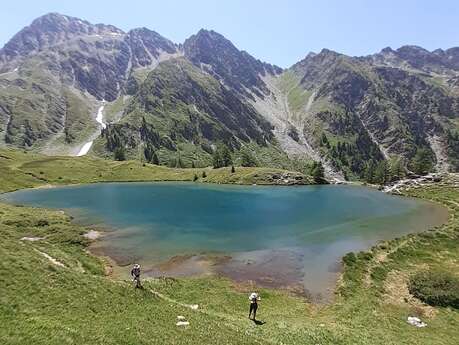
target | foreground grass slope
[{"x": 77, "y": 302}]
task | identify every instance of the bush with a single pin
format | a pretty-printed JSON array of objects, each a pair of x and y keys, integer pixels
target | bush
[
  {"x": 349, "y": 259},
  {"x": 247, "y": 159},
  {"x": 42, "y": 222},
  {"x": 437, "y": 288}
]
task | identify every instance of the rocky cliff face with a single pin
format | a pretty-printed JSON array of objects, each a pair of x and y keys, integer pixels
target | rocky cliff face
[
  {"x": 49, "y": 31},
  {"x": 417, "y": 58},
  {"x": 182, "y": 101},
  {"x": 236, "y": 69}
]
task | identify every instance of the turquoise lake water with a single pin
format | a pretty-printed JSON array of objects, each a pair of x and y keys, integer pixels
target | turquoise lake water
[{"x": 275, "y": 236}]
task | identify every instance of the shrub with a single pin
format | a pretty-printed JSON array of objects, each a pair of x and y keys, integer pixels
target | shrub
[
  {"x": 247, "y": 159},
  {"x": 437, "y": 288},
  {"x": 349, "y": 259},
  {"x": 42, "y": 222}
]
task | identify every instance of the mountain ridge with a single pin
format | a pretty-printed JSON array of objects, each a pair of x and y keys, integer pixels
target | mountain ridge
[{"x": 350, "y": 113}]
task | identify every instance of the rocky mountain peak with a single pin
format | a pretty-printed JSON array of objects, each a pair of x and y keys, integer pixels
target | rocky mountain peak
[
  {"x": 413, "y": 49},
  {"x": 56, "y": 22},
  {"x": 420, "y": 58},
  {"x": 328, "y": 52},
  {"x": 387, "y": 50},
  {"x": 205, "y": 46},
  {"x": 49, "y": 30},
  {"x": 237, "y": 69},
  {"x": 147, "y": 45},
  {"x": 325, "y": 56}
]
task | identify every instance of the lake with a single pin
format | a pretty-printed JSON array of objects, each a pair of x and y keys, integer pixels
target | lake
[{"x": 281, "y": 237}]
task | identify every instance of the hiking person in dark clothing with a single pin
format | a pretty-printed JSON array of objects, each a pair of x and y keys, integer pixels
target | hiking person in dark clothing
[
  {"x": 253, "y": 298},
  {"x": 135, "y": 272}
]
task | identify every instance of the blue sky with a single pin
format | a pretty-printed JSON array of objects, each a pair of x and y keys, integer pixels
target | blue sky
[{"x": 280, "y": 32}]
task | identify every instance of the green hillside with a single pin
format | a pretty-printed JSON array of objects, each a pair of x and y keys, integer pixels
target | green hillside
[{"x": 75, "y": 301}]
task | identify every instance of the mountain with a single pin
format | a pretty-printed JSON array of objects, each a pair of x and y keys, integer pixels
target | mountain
[
  {"x": 358, "y": 116},
  {"x": 236, "y": 69},
  {"x": 355, "y": 112},
  {"x": 182, "y": 113},
  {"x": 54, "y": 71}
]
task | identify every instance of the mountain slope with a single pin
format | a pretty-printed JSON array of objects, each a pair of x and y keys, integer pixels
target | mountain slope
[
  {"x": 59, "y": 60},
  {"x": 394, "y": 108},
  {"x": 353, "y": 111},
  {"x": 183, "y": 113}
]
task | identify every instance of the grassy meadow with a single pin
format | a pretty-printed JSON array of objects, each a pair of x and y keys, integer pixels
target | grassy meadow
[
  {"x": 26, "y": 169},
  {"x": 75, "y": 300}
]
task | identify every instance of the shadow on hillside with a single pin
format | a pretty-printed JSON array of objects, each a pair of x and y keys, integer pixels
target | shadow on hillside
[{"x": 259, "y": 323}]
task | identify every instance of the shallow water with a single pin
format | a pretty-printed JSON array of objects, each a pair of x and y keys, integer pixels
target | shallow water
[{"x": 275, "y": 236}]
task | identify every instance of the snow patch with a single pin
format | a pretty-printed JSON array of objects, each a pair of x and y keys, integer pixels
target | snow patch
[
  {"x": 99, "y": 118},
  {"x": 100, "y": 114},
  {"x": 85, "y": 149}
]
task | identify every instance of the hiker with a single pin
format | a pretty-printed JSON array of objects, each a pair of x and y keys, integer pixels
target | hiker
[
  {"x": 253, "y": 298},
  {"x": 135, "y": 272}
]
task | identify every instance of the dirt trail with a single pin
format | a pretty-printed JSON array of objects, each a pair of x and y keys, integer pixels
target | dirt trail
[
  {"x": 51, "y": 259},
  {"x": 229, "y": 321}
]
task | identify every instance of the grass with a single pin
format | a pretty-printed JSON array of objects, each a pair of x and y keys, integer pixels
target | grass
[
  {"x": 26, "y": 170},
  {"x": 297, "y": 95},
  {"x": 41, "y": 303},
  {"x": 113, "y": 111}
]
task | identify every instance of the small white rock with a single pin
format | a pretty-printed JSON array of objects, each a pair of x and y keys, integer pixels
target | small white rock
[
  {"x": 32, "y": 239},
  {"x": 415, "y": 321},
  {"x": 182, "y": 323}
]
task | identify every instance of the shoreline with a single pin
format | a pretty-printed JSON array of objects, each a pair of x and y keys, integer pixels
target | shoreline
[
  {"x": 114, "y": 270},
  {"x": 203, "y": 264},
  {"x": 64, "y": 185}
]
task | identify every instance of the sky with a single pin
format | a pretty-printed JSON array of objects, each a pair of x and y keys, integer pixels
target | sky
[{"x": 279, "y": 32}]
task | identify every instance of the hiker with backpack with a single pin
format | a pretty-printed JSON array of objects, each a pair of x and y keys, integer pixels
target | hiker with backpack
[
  {"x": 253, "y": 298},
  {"x": 135, "y": 273}
]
